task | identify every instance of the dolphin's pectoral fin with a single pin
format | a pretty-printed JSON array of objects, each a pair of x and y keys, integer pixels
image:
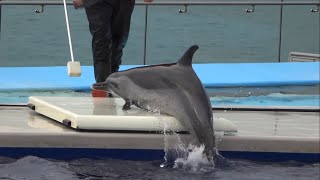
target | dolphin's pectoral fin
[
  {"x": 127, "y": 105},
  {"x": 136, "y": 103}
]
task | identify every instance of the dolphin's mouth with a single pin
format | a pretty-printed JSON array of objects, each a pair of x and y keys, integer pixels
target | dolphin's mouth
[{"x": 104, "y": 86}]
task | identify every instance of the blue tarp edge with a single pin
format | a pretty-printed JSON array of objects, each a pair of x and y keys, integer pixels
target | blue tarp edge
[{"x": 211, "y": 75}]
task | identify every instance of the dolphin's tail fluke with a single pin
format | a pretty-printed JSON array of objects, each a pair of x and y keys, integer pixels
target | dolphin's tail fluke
[{"x": 186, "y": 59}]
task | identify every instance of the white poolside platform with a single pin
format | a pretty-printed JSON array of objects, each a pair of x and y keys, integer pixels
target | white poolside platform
[{"x": 273, "y": 131}]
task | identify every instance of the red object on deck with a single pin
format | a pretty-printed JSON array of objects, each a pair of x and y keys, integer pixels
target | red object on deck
[{"x": 99, "y": 93}]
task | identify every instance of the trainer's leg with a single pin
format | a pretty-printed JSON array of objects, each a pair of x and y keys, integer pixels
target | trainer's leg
[
  {"x": 120, "y": 31},
  {"x": 99, "y": 17}
]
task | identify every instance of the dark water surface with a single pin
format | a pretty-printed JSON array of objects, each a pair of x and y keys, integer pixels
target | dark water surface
[{"x": 38, "y": 169}]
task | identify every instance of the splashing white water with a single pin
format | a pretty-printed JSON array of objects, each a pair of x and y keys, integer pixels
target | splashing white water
[
  {"x": 188, "y": 157},
  {"x": 173, "y": 146},
  {"x": 195, "y": 160}
]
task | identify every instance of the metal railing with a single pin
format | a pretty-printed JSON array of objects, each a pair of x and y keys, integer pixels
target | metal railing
[
  {"x": 170, "y": 3},
  {"x": 251, "y": 3},
  {"x": 166, "y": 3}
]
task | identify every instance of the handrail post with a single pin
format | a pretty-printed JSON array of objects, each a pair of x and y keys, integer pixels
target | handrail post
[
  {"x": 0, "y": 20},
  {"x": 145, "y": 36},
  {"x": 280, "y": 33}
]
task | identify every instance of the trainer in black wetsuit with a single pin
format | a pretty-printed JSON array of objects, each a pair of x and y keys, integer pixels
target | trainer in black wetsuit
[{"x": 109, "y": 24}]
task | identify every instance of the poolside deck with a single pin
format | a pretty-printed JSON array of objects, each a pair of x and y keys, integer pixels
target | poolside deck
[{"x": 262, "y": 135}]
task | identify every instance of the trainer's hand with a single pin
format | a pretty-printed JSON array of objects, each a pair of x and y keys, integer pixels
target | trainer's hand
[{"x": 77, "y": 4}]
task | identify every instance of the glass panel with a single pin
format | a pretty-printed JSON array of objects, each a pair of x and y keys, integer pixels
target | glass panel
[
  {"x": 224, "y": 33},
  {"x": 133, "y": 52},
  {"x": 300, "y": 30},
  {"x": 31, "y": 39}
]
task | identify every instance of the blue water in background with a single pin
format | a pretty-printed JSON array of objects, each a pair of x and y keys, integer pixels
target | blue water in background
[
  {"x": 275, "y": 99},
  {"x": 268, "y": 100},
  {"x": 224, "y": 34}
]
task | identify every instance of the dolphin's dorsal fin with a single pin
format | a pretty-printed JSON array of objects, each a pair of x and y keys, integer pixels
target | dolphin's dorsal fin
[{"x": 186, "y": 59}]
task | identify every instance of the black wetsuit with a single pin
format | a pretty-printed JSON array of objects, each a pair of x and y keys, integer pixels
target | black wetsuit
[{"x": 109, "y": 24}]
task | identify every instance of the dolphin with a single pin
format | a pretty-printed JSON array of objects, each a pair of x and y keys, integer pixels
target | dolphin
[{"x": 172, "y": 89}]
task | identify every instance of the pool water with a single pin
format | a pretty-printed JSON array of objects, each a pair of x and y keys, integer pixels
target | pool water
[
  {"x": 273, "y": 99},
  {"x": 276, "y": 99},
  {"x": 92, "y": 169},
  {"x": 14, "y": 97}
]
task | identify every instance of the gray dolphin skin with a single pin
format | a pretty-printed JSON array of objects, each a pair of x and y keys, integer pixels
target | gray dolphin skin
[{"x": 172, "y": 89}]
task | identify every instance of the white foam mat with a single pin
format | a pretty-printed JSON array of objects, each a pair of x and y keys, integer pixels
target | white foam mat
[{"x": 87, "y": 113}]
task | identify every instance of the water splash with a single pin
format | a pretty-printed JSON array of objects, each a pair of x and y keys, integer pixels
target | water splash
[
  {"x": 194, "y": 161},
  {"x": 173, "y": 146},
  {"x": 183, "y": 156},
  {"x": 218, "y": 137}
]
